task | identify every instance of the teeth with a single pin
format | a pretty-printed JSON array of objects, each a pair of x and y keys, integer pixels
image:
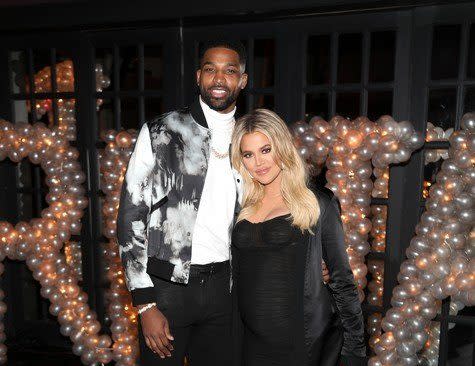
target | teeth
[{"x": 218, "y": 92}]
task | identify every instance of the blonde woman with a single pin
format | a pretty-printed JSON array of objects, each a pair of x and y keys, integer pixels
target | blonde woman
[{"x": 288, "y": 315}]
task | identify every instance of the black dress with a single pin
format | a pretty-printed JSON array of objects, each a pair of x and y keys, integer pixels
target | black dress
[
  {"x": 283, "y": 312},
  {"x": 266, "y": 256}
]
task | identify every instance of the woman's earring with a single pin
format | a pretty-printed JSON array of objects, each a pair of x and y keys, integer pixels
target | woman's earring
[
  {"x": 249, "y": 174},
  {"x": 282, "y": 166}
]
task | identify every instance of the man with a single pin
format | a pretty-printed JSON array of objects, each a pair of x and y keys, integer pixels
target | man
[{"x": 175, "y": 218}]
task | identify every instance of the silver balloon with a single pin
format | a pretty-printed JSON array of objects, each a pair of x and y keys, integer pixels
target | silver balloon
[
  {"x": 468, "y": 122},
  {"x": 406, "y": 348}
]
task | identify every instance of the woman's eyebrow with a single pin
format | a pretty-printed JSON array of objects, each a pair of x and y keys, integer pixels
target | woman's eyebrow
[{"x": 260, "y": 148}]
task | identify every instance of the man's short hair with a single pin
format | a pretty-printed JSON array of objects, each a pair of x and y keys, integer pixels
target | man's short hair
[{"x": 236, "y": 46}]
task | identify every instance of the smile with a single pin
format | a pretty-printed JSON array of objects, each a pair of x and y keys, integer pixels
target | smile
[{"x": 218, "y": 92}]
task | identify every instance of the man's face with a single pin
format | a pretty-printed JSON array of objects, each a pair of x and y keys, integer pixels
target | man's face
[{"x": 220, "y": 78}]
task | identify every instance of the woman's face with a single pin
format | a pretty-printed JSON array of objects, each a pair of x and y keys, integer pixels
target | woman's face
[{"x": 258, "y": 157}]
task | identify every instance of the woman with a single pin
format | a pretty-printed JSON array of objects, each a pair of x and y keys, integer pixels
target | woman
[{"x": 289, "y": 316}]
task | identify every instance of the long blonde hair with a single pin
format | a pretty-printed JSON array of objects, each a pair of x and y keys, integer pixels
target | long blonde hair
[{"x": 300, "y": 200}]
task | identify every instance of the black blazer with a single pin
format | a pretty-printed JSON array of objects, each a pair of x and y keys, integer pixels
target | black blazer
[{"x": 335, "y": 305}]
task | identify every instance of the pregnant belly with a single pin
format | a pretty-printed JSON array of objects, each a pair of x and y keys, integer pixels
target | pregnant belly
[{"x": 267, "y": 297}]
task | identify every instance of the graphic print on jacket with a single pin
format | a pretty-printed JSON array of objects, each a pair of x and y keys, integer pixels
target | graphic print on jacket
[{"x": 169, "y": 164}]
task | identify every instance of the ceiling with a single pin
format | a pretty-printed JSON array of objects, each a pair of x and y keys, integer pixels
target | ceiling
[{"x": 27, "y": 15}]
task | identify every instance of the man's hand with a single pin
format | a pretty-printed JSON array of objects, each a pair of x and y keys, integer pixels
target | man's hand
[
  {"x": 156, "y": 332},
  {"x": 325, "y": 273}
]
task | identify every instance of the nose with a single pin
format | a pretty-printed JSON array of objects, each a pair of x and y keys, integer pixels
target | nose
[
  {"x": 258, "y": 159},
  {"x": 219, "y": 77}
]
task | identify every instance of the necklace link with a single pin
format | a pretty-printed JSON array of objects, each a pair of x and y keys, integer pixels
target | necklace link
[{"x": 218, "y": 154}]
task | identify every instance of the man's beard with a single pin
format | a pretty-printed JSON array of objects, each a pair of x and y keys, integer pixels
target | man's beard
[{"x": 219, "y": 105}]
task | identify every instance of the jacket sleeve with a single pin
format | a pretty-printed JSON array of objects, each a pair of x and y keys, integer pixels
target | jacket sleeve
[
  {"x": 342, "y": 282},
  {"x": 133, "y": 218}
]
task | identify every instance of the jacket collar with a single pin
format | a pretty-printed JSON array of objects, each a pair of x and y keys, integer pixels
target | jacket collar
[{"x": 197, "y": 113}]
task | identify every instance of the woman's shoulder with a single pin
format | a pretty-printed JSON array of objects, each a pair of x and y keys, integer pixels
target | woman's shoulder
[{"x": 323, "y": 194}]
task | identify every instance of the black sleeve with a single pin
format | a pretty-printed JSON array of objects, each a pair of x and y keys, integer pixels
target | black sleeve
[{"x": 342, "y": 282}]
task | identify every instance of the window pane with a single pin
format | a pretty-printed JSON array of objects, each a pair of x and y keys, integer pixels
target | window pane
[
  {"x": 39, "y": 195},
  {"x": 264, "y": 101},
  {"x": 24, "y": 174},
  {"x": 42, "y": 70},
  {"x": 264, "y": 60},
  {"x": 44, "y": 111},
  {"x": 21, "y": 111},
  {"x": 348, "y": 105},
  {"x": 129, "y": 113},
  {"x": 445, "y": 52},
  {"x": 471, "y": 54},
  {"x": 442, "y": 104},
  {"x": 467, "y": 311},
  {"x": 64, "y": 71},
  {"x": 105, "y": 58},
  {"x": 105, "y": 116},
  {"x": 469, "y": 102},
  {"x": 461, "y": 341},
  {"x": 30, "y": 289},
  {"x": 317, "y": 105},
  {"x": 245, "y": 45},
  {"x": 25, "y": 206},
  {"x": 349, "y": 58},
  {"x": 129, "y": 67},
  {"x": 318, "y": 59},
  {"x": 241, "y": 104},
  {"x": 19, "y": 77},
  {"x": 382, "y": 57},
  {"x": 153, "y": 66},
  {"x": 379, "y": 103},
  {"x": 153, "y": 108}
]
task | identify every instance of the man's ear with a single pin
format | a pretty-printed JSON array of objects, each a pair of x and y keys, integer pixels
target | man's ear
[
  {"x": 198, "y": 76},
  {"x": 243, "y": 82}
]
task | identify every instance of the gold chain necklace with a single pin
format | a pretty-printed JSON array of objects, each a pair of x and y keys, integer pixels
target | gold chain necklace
[{"x": 218, "y": 154}]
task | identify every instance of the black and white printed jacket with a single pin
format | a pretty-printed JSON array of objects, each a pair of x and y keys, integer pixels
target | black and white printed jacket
[{"x": 160, "y": 199}]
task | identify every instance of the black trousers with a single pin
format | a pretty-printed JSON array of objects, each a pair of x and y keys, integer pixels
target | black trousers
[{"x": 199, "y": 315}]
